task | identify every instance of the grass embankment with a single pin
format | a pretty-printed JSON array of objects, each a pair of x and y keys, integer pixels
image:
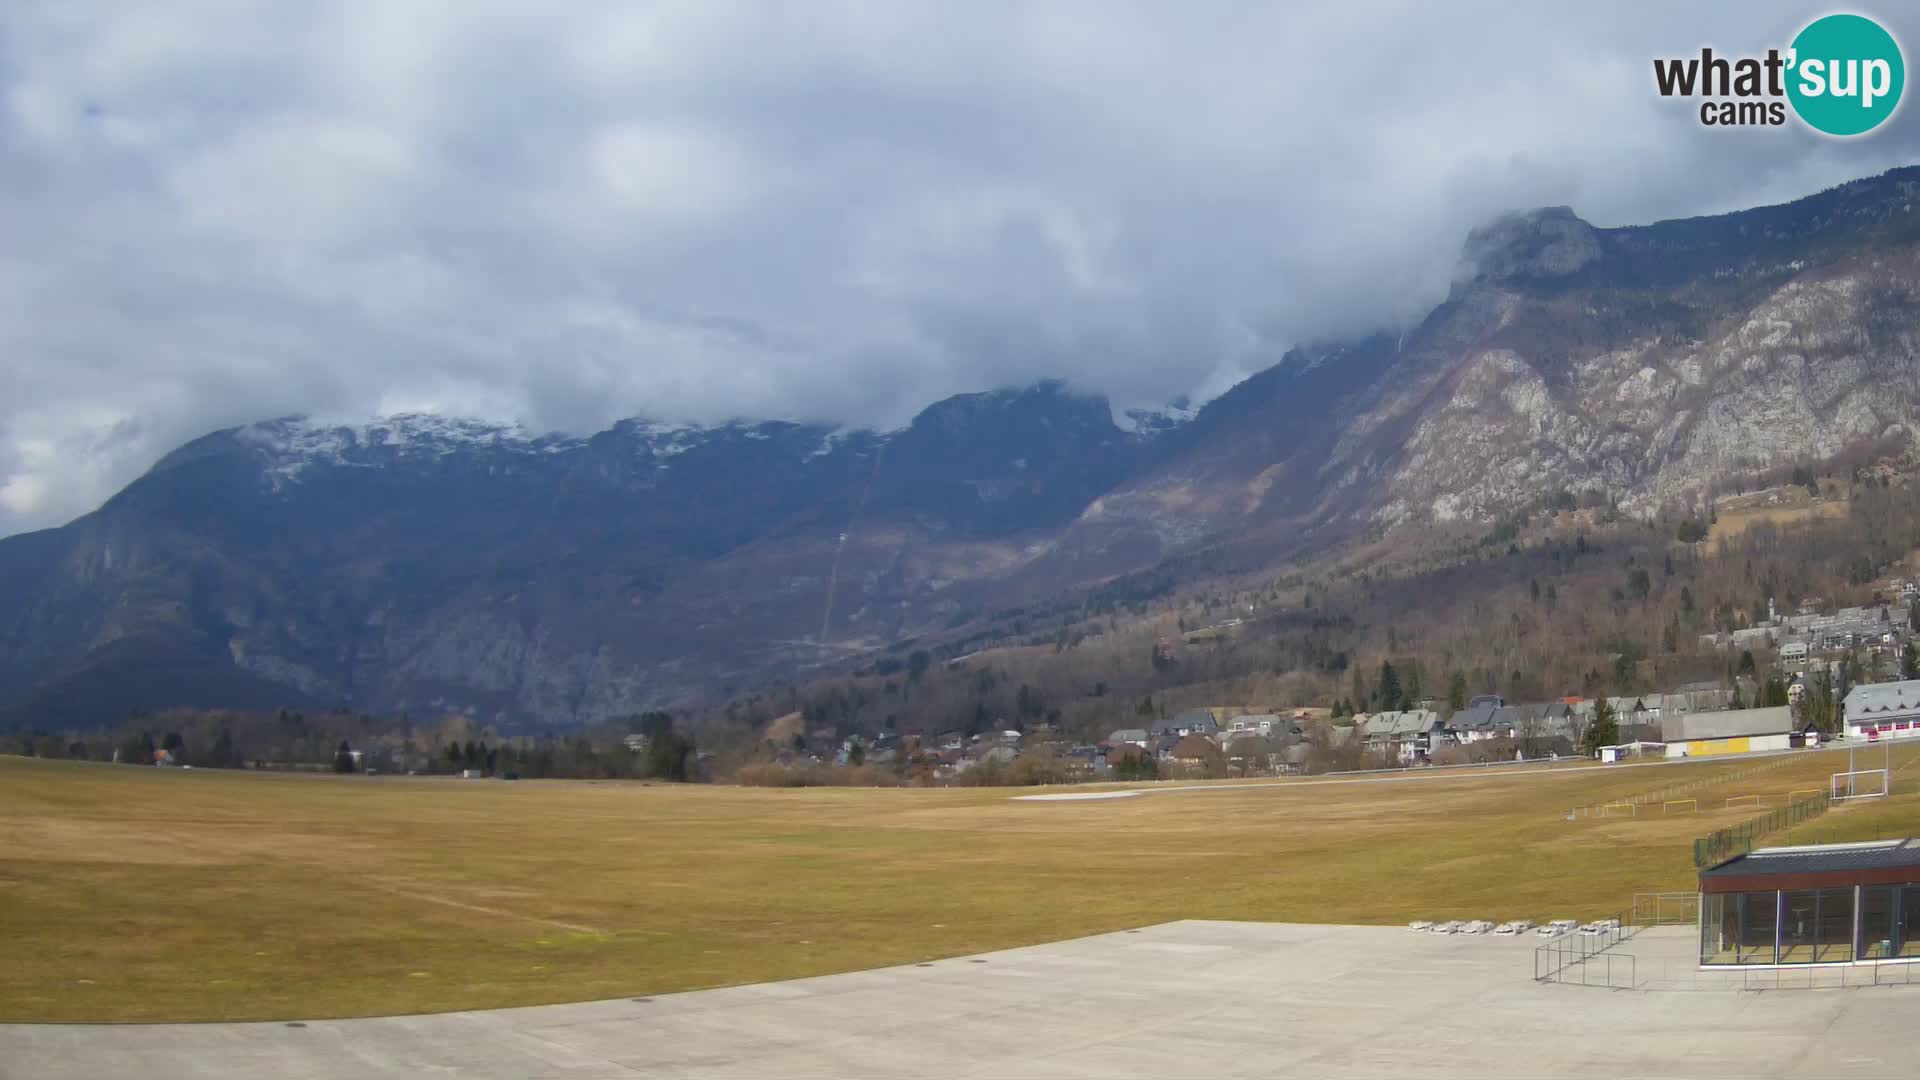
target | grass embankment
[{"x": 149, "y": 894}]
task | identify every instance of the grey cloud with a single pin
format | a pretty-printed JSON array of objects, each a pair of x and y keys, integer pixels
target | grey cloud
[{"x": 217, "y": 213}]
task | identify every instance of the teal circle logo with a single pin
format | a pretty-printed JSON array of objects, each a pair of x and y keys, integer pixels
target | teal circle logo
[{"x": 1846, "y": 75}]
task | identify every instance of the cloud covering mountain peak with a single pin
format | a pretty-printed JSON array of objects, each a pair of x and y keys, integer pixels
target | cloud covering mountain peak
[{"x": 711, "y": 210}]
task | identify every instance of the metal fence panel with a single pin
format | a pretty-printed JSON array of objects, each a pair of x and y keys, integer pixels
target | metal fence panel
[
  {"x": 1722, "y": 844},
  {"x": 1584, "y": 959}
]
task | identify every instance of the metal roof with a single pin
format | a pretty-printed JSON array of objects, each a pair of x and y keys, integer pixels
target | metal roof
[
  {"x": 1410, "y": 722},
  {"x": 1877, "y": 699},
  {"x": 1473, "y": 718},
  {"x": 1821, "y": 859},
  {"x": 1727, "y": 724},
  {"x": 1511, "y": 716}
]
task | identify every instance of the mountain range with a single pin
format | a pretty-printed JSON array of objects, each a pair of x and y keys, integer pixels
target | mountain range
[{"x": 427, "y": 563}]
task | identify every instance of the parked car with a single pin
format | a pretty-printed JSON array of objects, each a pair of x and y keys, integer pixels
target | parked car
[
  {"x": 1420, "y": 924},
  {"x": 1599, "y": 928},
  {"x": 1557, "y": 927},
  {"x": 1451, "y": 927},
  {"x": 1478, "y": 926},
  {"x": 1517, "y": 926}
]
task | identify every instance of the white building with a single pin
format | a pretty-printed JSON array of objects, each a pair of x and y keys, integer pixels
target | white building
[
  {"x": 1412, "y": 735},
  {"x": 1878, "y": 711}
]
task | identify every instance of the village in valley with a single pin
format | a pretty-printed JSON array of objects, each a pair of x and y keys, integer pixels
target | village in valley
[{"x": 1802, "y": 680}]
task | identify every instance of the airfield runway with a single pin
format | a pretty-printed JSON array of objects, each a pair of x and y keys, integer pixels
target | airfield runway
[{"x": 1179, "y": 999}]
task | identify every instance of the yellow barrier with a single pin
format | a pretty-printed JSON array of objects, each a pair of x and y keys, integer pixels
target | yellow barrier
[{"x": 1715, "y": 747}]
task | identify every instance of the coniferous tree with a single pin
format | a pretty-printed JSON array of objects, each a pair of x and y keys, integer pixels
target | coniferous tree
[
  {"x": 1387, "y": 694},
  {"x": 1774, "y": 693},
  {"x": 1818, "y": 707},
  {"x": 1603, "y": 729}
]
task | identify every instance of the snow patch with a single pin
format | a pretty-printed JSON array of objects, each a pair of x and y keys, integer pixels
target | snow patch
[
  {"x": 828, "y": 444},
  {"x": 1153, "y": 421},
  {"x": 293, "y": 444}
]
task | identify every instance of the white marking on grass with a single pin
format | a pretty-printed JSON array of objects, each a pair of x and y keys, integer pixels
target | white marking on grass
[
  {"x": 1566, "y": 767},
  {"x": 484, "y": 910}
]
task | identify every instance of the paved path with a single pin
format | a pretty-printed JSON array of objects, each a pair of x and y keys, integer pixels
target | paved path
[{"x": 1182, "y": 999}]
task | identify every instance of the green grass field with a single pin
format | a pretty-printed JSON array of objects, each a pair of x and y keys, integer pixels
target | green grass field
[{"x": 150, "y": 894}]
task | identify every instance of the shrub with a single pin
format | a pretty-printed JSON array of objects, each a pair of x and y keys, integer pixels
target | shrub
[{"x": 774, "y": 774}]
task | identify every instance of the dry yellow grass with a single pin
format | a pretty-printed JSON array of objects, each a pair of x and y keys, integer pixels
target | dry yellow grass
[
  {"x": 1730, "y": 523},
  {"x": 148, "y": 894}
]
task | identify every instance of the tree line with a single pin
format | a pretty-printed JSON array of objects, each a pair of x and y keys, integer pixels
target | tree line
[{"x": 648, "y": 745}]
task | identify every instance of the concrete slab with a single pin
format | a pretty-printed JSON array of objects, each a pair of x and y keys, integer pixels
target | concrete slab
[{"x": 1186, "y": 998}]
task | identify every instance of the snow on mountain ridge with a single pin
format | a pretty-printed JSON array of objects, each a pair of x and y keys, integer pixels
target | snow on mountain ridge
[{"x": 292, "y": 444}]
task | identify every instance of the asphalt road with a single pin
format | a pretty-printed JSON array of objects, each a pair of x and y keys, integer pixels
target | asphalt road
[{"x": 1180, "y": 999}]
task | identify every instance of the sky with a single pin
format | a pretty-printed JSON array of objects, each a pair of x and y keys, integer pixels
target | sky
[{"x": 564, "y": 214}]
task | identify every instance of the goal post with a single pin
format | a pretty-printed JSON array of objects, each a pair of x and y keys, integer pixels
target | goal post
[
  {"x": 1859, "y": 784},
  {"x": 1631, "y": 809},
  {"x": 1743, "y": 800},
  {"x": 1680, "y": 806}
]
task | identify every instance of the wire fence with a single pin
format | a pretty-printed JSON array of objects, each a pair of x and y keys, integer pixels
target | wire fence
[
  {"x": 1722, "y": 844},
  {"x": 1666, "y": 909}
]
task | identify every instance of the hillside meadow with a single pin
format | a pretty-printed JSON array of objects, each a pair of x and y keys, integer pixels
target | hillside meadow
[
  {"x": 1731, "y": 523},
  {"x": 152, "y": 894}
]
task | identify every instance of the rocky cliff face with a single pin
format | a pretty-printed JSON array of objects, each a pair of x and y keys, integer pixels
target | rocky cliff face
[
  {"x": 427, "y": 563},
  {"x": 1549, "y": 243},
  {"x": 1764, "y": 338}
]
